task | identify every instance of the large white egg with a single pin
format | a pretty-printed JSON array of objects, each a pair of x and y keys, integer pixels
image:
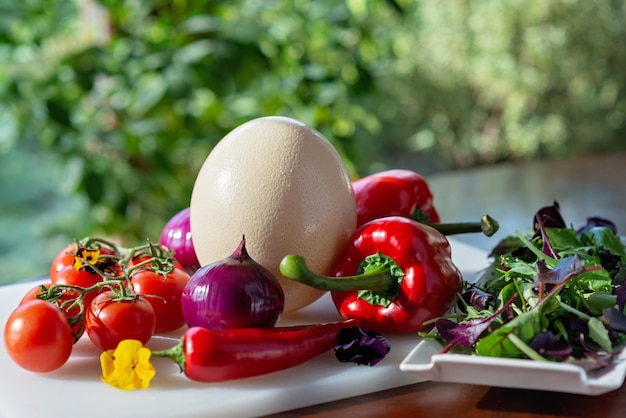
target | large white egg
[{"x": 282, "y": 185}]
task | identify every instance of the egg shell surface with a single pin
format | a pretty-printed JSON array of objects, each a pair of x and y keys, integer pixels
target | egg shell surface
[{"x": 283, "y": 186}]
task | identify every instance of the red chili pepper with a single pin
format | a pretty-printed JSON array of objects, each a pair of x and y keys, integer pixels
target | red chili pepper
[
  {"x": 408, "y": 276},
  {"x": 394, "y": 193},
  {"x": 219, "y": 355}
]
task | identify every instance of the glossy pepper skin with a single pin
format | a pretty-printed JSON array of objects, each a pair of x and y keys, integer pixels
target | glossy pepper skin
[
  {"x": 394, "y": 193},
  {"x": 222, "y": 355},
  {"x": 428, "y": 288}
]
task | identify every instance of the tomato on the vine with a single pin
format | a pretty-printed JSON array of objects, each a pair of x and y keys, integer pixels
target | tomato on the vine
[
  {"x": 63, "y": 259},
  {"x": 76, "y": 259},
  {"x": 37, "y": 336},
  {"x": 143, "y": 262},
  {"x": 164, "y": 294},
  {"x": 63, "y": 303},
  {"x": 109, "y": 320},
  {"x": 83, "y": 278}
]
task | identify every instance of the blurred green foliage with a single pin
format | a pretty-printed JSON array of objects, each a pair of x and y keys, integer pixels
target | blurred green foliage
[{"x": 131, "y": 96}]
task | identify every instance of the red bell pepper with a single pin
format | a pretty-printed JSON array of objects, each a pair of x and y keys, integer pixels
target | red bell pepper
[
  {"x": 394, "y": 193},
  {"x": 406, "y": 193},
  {"x": 396, "y": 275},
  {"x": 219, "y": 355}
]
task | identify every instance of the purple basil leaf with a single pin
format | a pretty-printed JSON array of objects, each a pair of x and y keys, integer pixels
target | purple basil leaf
[
  {"x": 548, "y": 217},
  {"x": 546, "y": 343},
  {"x": 477, "y": 299},
  {"x": 467, "y": 333},
  {"x": 592, "y": 358},
  {"x": 565, "y": 269},
  {"x": 614, "y": 319},
  {"x": 546, "y": 248},
  {"x": 595, "y": 221},
  {"x": 361, "y": 347}
]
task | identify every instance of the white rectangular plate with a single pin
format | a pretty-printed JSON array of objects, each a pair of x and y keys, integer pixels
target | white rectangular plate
[
  {"x": 426, "y": 362},
  {"x": 75, "y": 390}
]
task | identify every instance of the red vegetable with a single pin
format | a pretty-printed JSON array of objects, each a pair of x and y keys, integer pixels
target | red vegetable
[
  {"x": 220, "y": 355},
  {"x": 406, "y": 193},
  {"x": 37, "y": 336},
  {"x": 164, "y": 292},
  {"x": 65, "y": 302},
  {"x": 84, "y": 264},
  {"x": 109, "y": 320},
  {"x": 408, "y": 278},
  {"x": 394, "y": 193},
  {"x": 84, "y": 257}
]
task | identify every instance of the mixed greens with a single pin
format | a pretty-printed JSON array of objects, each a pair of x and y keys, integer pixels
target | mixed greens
[{"x": 553, "y": 294}]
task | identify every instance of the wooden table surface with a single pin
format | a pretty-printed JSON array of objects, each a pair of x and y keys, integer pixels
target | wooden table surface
[{"x": 511, "y": 193}]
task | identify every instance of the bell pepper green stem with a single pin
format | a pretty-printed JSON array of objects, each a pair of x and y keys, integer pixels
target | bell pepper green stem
[
  {"x": 375, "y": 279},
  {"x": 487, "y": 226}
]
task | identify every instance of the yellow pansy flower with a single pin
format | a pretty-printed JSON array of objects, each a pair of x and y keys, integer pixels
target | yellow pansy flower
[
  {"x": 84, "y": 258},
  {"x": 128, "y": 366}
]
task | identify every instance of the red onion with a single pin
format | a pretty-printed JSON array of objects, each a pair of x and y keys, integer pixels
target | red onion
[
  {"x": 176, "y": 236},
  {"x": 235, "y": 292}
]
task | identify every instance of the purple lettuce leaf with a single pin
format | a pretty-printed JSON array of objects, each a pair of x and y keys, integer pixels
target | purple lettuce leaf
[
  {"x": 566, "y": 269},
  {"x": 591, "y": 358},
  {"x": 594, "y": 222},
  {"x": 614, "y": 319},
  {"x": 547, "y": 217},
  {"x": 546, "y": 343},
  {"x": 469, "y": 332},
  {"x": 477, "y": 299}
]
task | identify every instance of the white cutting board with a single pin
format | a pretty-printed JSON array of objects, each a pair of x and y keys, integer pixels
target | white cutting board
[{"x": 75, "y": 390}]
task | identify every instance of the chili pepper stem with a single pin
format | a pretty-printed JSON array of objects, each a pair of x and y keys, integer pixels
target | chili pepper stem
[
  {"x": 487, "y": 226},
  {"x": 175, "y": 353},
  {"x": 376, "y": 280}
]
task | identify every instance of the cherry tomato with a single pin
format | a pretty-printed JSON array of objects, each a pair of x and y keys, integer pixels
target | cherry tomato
[
  {"x": 83, "y": 278},
  {"x": 65, "y": 258},
  {"x": 66, "y": 298},
  {"x": 167, "y": 292},
  {"x": 69, "y": 275},
  {"x": 37, "y": 336},
  {"x": 109, "y": 321},
  {"x": 32, "y": 293}
]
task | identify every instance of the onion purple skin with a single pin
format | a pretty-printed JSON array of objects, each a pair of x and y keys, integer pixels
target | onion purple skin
[
  {"x": 176, "y": 236},
  {"x": 232, "y": 293}
]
